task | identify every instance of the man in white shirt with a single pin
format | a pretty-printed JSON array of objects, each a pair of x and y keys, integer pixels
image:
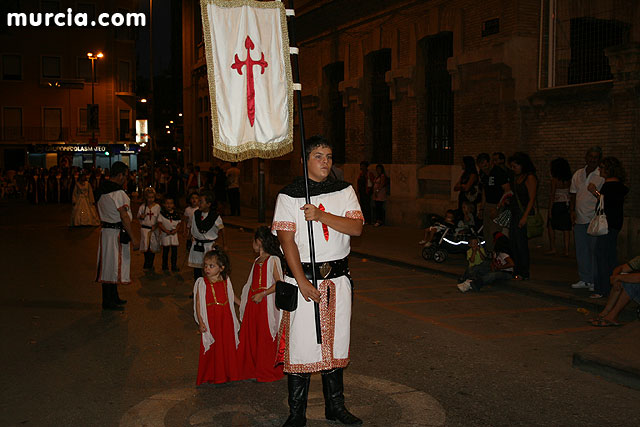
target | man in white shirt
[{"x": 583, "y": 206}]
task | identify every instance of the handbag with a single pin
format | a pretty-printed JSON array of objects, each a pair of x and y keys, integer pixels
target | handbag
[
  {"x": 599, "y": 226},
  {"x": 504, "y": 218},
  {"x": 286, "y": 296},
  {"x": 154, "y": 241},
  {"x": 535, "y": 223}
]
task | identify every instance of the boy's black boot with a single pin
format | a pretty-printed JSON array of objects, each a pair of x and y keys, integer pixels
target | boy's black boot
[
  {"x": 333, "y": 390},
  {"x": 118, "y": 300},
  {"x": 298, "y": 385},
  {"x": 109, "y": 297}
]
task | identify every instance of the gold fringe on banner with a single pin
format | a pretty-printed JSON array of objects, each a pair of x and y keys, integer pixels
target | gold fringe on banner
[{"x": 251, "y": 149}]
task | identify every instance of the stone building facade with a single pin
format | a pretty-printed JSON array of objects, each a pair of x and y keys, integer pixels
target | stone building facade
[{"x": 417, "y": 85}]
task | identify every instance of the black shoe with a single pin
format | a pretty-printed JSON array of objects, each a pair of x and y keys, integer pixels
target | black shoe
[
  {"x": 191, "y": 295},
  {"x": 175, "y": 269},
  {"x": 121, "y": 301},
  {"x": 298, "y": 385},
  {"x": 333, "y": 390},
  {"x": 112, "y": 308}
]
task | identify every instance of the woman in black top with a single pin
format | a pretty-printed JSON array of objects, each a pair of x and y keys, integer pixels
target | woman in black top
[
  {"x": 467, "y": 185},
  {"x": 525, "y": 187},
  {"x": 612, "y": 194}
]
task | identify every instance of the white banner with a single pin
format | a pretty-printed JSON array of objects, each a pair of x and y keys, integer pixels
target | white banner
[{"x": 250, "y": 80}]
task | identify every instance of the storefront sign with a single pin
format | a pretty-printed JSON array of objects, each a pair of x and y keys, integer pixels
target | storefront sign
[{"x": 70, "y": 148}]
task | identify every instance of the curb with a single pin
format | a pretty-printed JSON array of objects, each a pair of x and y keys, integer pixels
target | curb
[
  {"x": 627, "y": 314},
  {"x": 625, "y": 375}
]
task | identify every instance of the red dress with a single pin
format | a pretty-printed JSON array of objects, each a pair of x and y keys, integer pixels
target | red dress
[
  {"x": 257, "y": 349},
  {"x": 219, "y": 364}
]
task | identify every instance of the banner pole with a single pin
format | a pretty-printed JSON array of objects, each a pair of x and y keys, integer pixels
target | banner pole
[{"x": 312, "y": 250}]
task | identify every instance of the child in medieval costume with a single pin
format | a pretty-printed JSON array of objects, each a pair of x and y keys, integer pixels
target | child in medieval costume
[
  {"x": 258, "y": 313},
  {"x": 148, "y": 215},
  {"x": 206, "y": 228},
  {"x": 83, "y": 212},
  {"x": 215, "y": 315},
  {"x": 114, "y": 256},
  {"x": 192, "y": 201},
  {"x": 168, "y": 223},
  {"x": 336, "y": 216}
]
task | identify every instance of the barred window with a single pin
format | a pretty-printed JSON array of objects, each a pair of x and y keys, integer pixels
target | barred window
[{"x": 574, "y": 36}]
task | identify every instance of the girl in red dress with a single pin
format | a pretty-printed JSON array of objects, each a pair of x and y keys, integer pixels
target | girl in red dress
[
  {"x": 216, "y": 316},
  {"x": 258, "y": 312}
]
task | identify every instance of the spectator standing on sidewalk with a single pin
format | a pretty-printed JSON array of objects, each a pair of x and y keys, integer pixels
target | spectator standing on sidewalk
[
  {"x": 233, "y": 186},
  {"x": 612, "y": 194},
  {"x": 467, "y": 185},
  {"x": 380, "y": 189},
  {"x": 495, "y": 183},
  {"x": 365, "y": 188},
  {"x": 558, "y": 217},
  {"x": 582, "y": 206},
  {"x": 525, "y": 187}
]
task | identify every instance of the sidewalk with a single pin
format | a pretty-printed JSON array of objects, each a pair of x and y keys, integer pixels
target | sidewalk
[{"x": 551, "y": 277}]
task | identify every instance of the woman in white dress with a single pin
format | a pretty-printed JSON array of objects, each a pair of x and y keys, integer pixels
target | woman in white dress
[{"x": 84, "y": 210}]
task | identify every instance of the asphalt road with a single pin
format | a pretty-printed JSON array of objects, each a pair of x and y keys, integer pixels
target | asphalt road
[{"x": 421, "y": 354}]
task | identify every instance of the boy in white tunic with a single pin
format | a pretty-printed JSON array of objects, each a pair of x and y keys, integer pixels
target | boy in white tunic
[
  {"x": 168, "y": 222},
  {"x": 336, "y": 216},
  {"x": 148, "y": 217},
  {"x": 206, "y": 227},
  {"x": 114, "y": 256}
]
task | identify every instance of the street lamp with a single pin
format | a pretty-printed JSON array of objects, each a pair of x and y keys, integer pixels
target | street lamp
[{"x": 92, "y": 113}]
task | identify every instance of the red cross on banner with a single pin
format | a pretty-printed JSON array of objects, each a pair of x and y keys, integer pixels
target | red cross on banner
[{"x": 249, "y": 63}]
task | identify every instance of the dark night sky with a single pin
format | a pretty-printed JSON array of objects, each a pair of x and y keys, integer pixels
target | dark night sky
[{"x": 161, "y": 38}]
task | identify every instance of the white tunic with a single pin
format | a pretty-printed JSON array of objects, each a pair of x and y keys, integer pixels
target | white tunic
[
  {"x": 196, "y": 258},
  {"x": 148, "y": 217},
  {"x": 302, "y": 352},
  {"x": 273, "y": 314},
  {"x": 114, "y": 258},
  {"x": 169, "y": 225}
]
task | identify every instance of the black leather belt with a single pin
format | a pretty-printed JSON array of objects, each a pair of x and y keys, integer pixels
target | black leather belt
[
  {"x": 117, "y": 225},
  {"x": 324, "y": 270},
  {"x": 199, "y": 245},
  {"x": 148, "y": 227}
]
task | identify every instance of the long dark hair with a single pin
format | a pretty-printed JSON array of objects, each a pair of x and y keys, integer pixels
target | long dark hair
[
  {"x": 270, "y": 243},
  {"x": 469, "y": 166},
  {"x": 560, "y": 169},
  {"x": 524, "y": 161}
]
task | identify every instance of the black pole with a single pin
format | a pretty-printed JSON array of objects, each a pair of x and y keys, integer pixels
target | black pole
[
  {"x": 312, "y": 249},
  {"x": 261, "y": 199}
]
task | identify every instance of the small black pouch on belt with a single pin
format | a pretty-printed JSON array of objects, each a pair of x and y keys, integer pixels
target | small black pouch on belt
[
  {"x": 286, "y": 296},
  {"x": 124, "y": 236}
]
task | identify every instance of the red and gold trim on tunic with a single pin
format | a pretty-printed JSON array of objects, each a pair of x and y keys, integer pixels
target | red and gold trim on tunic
[
  {"x": 283, "y": 226},
  {"x": 354, "y": 215},
  {"x": 327, "y": 325}
]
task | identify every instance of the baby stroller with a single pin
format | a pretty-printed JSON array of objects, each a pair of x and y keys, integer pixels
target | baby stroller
[{"x": 447, "y": 241}]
